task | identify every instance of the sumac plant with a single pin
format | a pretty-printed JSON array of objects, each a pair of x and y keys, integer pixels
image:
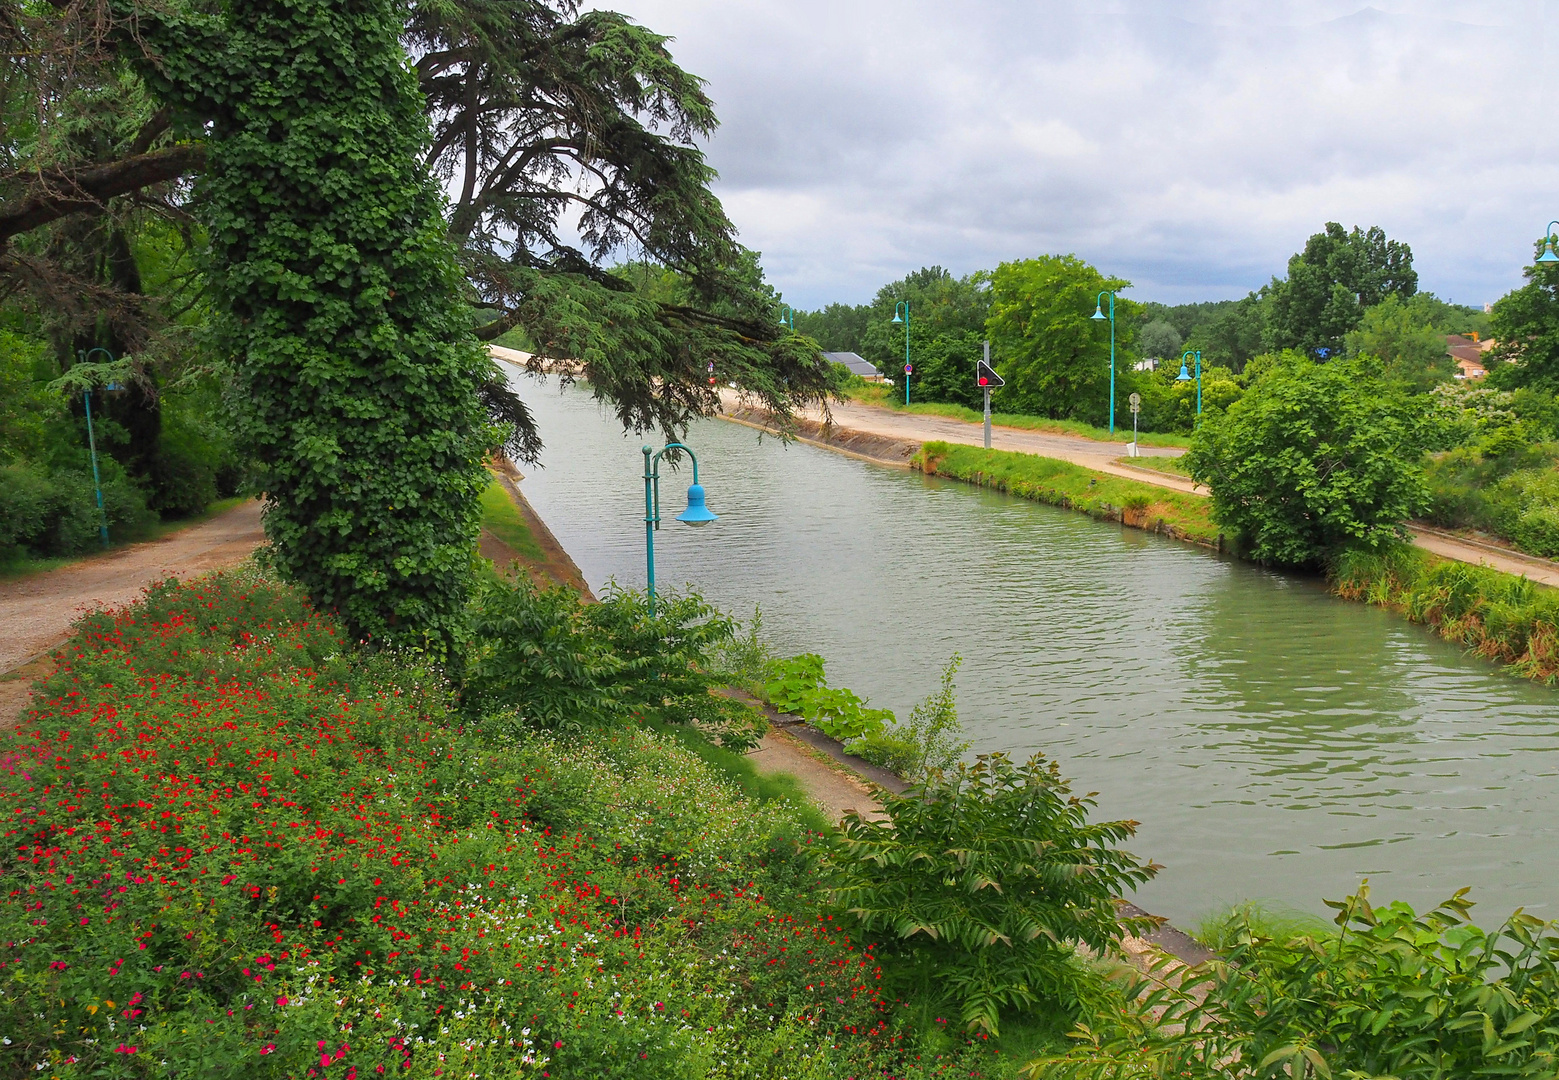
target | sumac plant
[
  {"x": 339, "y": 299},
  {"x": 1392, "y": 994},
  {"x": 982, "y": 879}
]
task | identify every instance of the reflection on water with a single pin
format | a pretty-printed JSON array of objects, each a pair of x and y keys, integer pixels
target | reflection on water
[{"x": 1274, "y": 741}]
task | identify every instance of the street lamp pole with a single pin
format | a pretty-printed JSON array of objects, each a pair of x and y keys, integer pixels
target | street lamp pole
[
  {"x": 788, "y": 316},
  {"x": 97, "y": 480},
  {"x": 1098, "y": 313},
  {"x": 697, "y": 513},
  {"x": 903, "y": 306},
  {"x": 1185, "y": 376}
]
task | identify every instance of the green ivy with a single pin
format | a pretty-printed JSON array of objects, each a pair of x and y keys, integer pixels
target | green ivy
[{"x": 340, "y": 302}]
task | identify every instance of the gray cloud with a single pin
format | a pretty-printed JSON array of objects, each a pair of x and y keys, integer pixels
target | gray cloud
[{"x": 1189, "y": 147}]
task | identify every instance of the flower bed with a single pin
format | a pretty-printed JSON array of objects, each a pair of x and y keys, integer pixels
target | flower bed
[{"x": 232, "y": 846}]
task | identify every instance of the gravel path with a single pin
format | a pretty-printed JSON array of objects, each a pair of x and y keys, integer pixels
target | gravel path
[
  {"x": 36, "y": 612},
  {"x": 1101, "y": 456}
]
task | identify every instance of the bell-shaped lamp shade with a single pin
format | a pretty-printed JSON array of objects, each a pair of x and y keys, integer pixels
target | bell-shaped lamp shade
[
  {"x": 896, "y": 320},
  {"x": 1098, "y": 312},
  {"x": 1548, "y": 255},
  {"x": 1184, "y": 376},
  {"x": 697, "y": 512}
]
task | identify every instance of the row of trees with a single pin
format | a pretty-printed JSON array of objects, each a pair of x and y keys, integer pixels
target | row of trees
[{"x": 1348, "y": 293}]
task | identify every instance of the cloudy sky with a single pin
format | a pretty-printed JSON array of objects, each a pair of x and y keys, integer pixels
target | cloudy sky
[{"x": 1189, "y": 146}]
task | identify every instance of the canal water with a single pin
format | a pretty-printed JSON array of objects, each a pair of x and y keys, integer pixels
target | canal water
[{"x": 1275, "y": 743}]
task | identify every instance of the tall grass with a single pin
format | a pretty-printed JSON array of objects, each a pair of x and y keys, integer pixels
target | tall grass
[
  {"x": 1060, "y": 483},
  {"x": 1496, "y": 615}
]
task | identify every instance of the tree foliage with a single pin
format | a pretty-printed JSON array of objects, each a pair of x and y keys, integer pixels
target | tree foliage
[
  {"x": 1313, "y": 458},
  {"x": 1401, "y": 336},
  {"x": 1053, "y": 354},
  {"x": 1525, "y": 322},
  {"x": 1330, "y": 284},
  {"x": 340, "y": 298}
]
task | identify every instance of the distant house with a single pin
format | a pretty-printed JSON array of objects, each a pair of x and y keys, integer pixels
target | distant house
[
  {"x": 1146, "y": 364},
  {"x": 857, "y": 364},
  {"x": 1468, "y": 354}
]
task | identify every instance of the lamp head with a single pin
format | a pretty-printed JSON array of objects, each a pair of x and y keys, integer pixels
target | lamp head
[
  {"x": 697, "y": 513},
  {"x": 896, "y": 320},
  {"x": 1548, "y": 255},
  {"x": 1184, "y": 376},
  {"x": 1098, "y": 312}
]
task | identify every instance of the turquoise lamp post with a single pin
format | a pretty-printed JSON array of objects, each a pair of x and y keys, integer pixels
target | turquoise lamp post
[
  {"x": 1550, "y": 243},
  {"x": 83, "y": 357},
  {"x": 788, "y": 316},
  {"x": 903, "y": 307},
  {"x": 1185, "y": 376},
  {"x": 1098, "y": 313},
  {"x": 697, "y": 513}
]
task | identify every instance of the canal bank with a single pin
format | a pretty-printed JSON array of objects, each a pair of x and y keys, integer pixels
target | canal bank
[{"x": 1275, "y": 741}]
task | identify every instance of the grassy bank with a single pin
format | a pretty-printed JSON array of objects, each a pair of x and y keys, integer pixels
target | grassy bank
[
  {"x": 889, "y": 398},
  {"x": 1060, "y": 483},
  {"x": 502, "y": 518},
  {"x": 1496, "y": 615}
]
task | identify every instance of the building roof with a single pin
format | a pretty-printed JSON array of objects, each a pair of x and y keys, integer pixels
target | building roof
[{"x": 857, "y": 364}]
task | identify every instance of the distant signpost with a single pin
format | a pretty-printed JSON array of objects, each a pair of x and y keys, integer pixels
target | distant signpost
[
  {"x": 986, "y": 379},
  {"x": 1136, "y": 407}
]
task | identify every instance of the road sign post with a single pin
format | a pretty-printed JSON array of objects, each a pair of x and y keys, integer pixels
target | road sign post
[
  {"x": 986, "y": 379},
  {"x": 1136, "y": 407}
]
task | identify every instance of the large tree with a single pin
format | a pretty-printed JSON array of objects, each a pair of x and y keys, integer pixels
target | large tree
[
  {"x": 1312, "y": 459},
  {"x": 1053, "y": 354},
  {"x": 1330, "y": 284},
  {"x": 340, "y": 299},
  {"x": 564, "y": 138}
]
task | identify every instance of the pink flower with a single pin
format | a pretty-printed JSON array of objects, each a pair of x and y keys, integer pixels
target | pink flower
[
  {"x": 123, "y": 1049},
  {"x": 267, "y": 1048},
  {"x": 230, "y": 879},
  {"x": 282, "y": 1000}
]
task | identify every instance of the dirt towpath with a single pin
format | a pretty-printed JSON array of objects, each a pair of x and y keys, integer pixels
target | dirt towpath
[
  {"x": 1100, "y": 456},
  {"x": 36, "y": 611}
]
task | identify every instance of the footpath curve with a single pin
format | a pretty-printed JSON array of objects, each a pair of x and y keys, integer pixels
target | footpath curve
[{"x": 855, "y": 419}]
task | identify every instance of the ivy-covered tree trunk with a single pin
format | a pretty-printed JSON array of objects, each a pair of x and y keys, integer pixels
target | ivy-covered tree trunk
[{"x": 341, "y": 304}]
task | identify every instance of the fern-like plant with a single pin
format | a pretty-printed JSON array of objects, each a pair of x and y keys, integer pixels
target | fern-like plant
[{"x": 984, "y": 878}]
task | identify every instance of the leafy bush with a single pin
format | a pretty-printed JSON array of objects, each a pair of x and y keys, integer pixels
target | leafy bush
[
  {"x": 928, "y": 742},
  {"x": 796, "y": 685},
  {"x": 1314, "y": 458},
  {"x": 792, "y": 681},
  {"x": 1413, "y": 997},
  {"x": 980, "y": 879},
  {"x": 46, "y": 514},
  {"x": 547, "y": 661}
]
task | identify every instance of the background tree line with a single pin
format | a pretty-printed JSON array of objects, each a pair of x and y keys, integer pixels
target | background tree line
[{"x": 1346, "y": 293}]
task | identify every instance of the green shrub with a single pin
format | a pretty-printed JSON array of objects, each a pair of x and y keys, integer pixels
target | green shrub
[
  {"x": 47, "y": 514},
  {"x": 545, "y": 660},
  {"x": 1394, "y": 993},
  {"x": 792, "y": 681},
  {"x": 796, "y": 685},
  {"x": 1313, "y": 458},
  {"x": 980, "y": 880}
]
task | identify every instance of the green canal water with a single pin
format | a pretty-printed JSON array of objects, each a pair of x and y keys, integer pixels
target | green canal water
[{"x": 1274, "y": 742}]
